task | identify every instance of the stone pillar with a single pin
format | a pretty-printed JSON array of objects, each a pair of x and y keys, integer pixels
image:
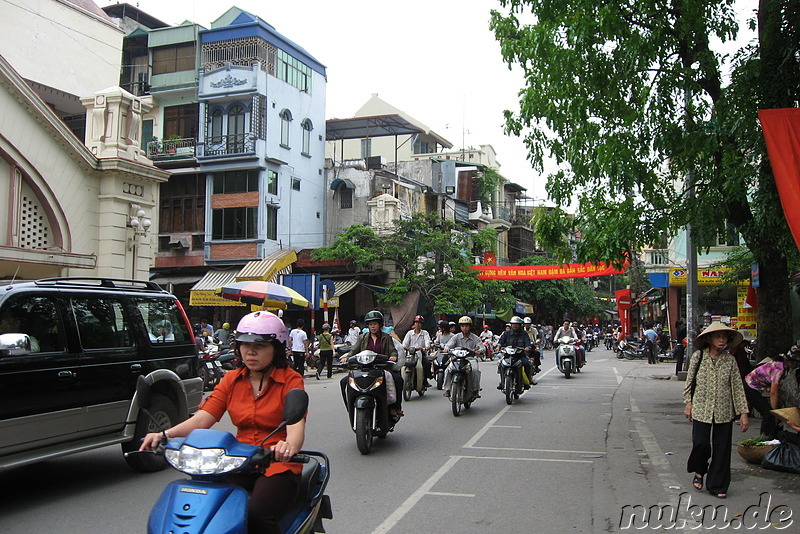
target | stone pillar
[{"x": 114, "y": 124}]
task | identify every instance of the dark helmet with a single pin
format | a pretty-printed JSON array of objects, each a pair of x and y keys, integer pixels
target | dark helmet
[
  {"x": 443, "y": 324},
  {"x": 373, "y": 315}
]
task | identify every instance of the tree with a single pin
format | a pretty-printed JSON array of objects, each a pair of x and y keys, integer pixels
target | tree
[
  {"x": 631, "y": 99},
  {"x": 431, "y": 255},
  {"x": 558, "y": 299}
]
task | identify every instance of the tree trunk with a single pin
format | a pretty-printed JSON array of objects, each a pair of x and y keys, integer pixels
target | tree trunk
[{"x": 774, "y": 306}]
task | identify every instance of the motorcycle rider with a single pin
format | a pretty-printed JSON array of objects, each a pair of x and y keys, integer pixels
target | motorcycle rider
[
  {"x": 353, "y": 333},
  {"x": 466, "y": 340},
  {"x": 533, "y": 333},
  {"x": 567, "y": 330},
  {"x": 420, "y": 339},
  {"x": 515, "y": 336},
  {"x": 378, "y": 341},
  {"x": 487, "y": 337},
  {"x": 444, "y": 334},
  {"x": 253, "y": 395}
]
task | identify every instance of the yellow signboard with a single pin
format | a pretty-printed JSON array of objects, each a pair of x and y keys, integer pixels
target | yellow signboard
[
  {"x": 747, "y": 317},
  {"x": 705, "y": 277},
  {"x": 333, "y": 302},
  {"x": 208, "y": 298}
]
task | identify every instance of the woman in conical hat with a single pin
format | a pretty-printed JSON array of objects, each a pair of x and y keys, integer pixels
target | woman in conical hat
[{"x": 714, "y": 396}]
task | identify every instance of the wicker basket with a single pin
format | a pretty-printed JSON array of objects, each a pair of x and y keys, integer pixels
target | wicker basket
[{"x": 754, "y": 453}]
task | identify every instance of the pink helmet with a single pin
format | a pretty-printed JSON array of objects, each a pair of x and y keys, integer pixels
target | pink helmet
[{"x": 260, "y": 327}]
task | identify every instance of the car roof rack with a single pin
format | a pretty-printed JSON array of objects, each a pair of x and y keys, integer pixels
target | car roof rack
[{"x": 112, "y": 283}]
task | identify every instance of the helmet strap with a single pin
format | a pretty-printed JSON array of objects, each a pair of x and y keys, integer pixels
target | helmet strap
[{"x": 263, "y": 372}]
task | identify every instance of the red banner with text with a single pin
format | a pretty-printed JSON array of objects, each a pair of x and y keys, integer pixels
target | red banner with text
[{"x": 545, "y": 272}]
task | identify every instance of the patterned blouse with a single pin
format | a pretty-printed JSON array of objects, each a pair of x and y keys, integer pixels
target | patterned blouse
[{"x": 719, "y": 394}]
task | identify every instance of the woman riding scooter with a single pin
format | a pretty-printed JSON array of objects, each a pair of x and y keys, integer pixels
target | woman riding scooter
[{"x": 253, "y": 395}]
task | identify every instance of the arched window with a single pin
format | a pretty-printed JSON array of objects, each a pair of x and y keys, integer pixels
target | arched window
[
  {"x": 236, "y": 129},
  {"x": 286, "y": 118},
  {"x": 307, "y": 128},
  {"x": 216, "y": 126}
]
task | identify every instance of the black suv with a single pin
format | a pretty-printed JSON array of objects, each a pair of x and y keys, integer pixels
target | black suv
[{"x": 71, "y": 351}]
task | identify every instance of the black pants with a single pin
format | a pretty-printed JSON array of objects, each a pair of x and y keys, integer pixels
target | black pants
[
  {"x": 650, "y": 347},
  {"x": 712, "y": 440},
  {"x": 299, "y": 362},
  {"x": 270, "y": 498},
  {"x": 325, "y": 358},
  {"x": 680, "y": 351},
  {"x": 769, "y": 426}
]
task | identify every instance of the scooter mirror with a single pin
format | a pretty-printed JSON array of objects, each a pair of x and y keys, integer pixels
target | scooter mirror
[
  {"x": 143, "y": 393},
  {"x": 295, "y": 406}
]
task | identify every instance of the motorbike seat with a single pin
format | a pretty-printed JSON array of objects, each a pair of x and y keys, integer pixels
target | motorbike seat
[{"x": 308, "y": 483}]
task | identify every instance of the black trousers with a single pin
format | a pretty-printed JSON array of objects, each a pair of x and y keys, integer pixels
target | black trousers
[
  {"x": 299, "y": 362},
  {"x": 712, "y": 440},
  {"x": 270, "y": 498},
  {"x": 680, "y": 351},
  {"x": 769, "y": 426},
  {"x": 325, "y": 358}
]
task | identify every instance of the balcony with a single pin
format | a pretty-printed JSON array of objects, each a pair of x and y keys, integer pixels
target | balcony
[
  {"x": 229, "y": 145},
  {"x": 172, "y": 149},
  {"x": 656, "y": 257}
]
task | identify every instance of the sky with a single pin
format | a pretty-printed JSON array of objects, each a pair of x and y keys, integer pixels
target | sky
[{"x": 436, "y": 60}]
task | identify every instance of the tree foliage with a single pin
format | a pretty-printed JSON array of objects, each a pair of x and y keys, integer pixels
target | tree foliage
[
  {"x": 631, "y": 98},
  {"x": 431, "y": 255}
]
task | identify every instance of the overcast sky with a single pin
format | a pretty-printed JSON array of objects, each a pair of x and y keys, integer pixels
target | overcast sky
[{"x": 436, "y": 60}]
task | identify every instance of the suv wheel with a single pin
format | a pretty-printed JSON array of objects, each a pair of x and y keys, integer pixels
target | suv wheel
[{"x": 166, "y": 414}]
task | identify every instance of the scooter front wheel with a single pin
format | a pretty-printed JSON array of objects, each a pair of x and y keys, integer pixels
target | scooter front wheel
[
  {"x": 457, "y": 398},
  {"x": 408, "y": 385},
  {"x": 364, "y": 431},
  {"x": 439, "y": 380},
  {"x": 509, "y": 389}
]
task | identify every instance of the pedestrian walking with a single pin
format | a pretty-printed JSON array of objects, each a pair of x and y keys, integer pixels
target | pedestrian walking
[
  {"x": 325, "y": 351},
  {"x": 714, "y": 396},
  {"x": 299, "y": 345}
]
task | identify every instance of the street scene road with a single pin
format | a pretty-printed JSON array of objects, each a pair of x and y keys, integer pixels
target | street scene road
[{"x": 569, "y": 456}]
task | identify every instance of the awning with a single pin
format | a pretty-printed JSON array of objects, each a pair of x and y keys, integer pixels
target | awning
[
  {"x": 340, "y": 287},
  {"x": 176, "y": 279},
  {"x": 279, "y": 262},
  {"x": 339, "y": 181},
  {"x": 202, "y": 293}
]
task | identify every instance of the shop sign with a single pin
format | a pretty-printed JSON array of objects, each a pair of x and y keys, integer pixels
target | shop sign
[
  {"x": 747, "y": 317},
  {"x": 333, "y": 302},
  {"x": 705, "y": 277},
  {"x": 208, "y": 298}
]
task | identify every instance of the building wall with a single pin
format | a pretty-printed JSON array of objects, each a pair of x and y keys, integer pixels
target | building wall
[{"x": 65, "y": 47}]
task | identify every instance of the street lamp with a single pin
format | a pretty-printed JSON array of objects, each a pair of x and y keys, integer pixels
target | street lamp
[{"x": 140, "y": 225}]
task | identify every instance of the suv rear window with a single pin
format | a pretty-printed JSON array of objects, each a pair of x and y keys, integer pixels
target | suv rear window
[
  {"x": 101, "y": 323},
  {"x": 164, "y": 321}
]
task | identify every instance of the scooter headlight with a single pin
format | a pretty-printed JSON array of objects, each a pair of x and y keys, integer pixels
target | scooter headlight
[
  {"x": 365, "y": 358},
  {"x": 368, "y": 384},
  {"x": 459, "y": 353},
  {"x": 194, "y": 461}
]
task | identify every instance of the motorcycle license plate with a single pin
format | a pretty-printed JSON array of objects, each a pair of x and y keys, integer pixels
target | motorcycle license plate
[
  {"x": 217, "y": 364},
  {"x": 209, "y": 365}
]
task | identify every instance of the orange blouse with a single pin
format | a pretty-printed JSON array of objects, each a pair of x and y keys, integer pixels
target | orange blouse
[{"x": 255, "y": 417}]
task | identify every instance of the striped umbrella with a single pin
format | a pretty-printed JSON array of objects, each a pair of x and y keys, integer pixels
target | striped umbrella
[{"x": 267, "y": 294}]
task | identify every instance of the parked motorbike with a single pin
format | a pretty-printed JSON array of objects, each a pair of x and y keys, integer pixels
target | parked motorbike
[
  {"x": 567, "y": 356},
  {"x": 439, "y": 360},
  {"x": 228, "y": 360},
  {"x": 463, "y": 390},
  {"x": 368, "y": 392},
  {"x": 414, "y": 373},
  {"x": 208, "y": 502},
  {"x": 511, "y": 372},
  {"x": 633, "y": 349},
  {"x": 210, "y": 368}
]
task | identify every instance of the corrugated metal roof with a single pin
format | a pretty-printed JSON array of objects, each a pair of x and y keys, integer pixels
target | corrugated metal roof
[
  {"x": 268, "y": 268},
  {"x": 215, "y": 278},
  {"x": 340, "y": 287}
]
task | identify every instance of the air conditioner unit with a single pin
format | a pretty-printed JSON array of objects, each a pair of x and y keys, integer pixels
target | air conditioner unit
[
  {"x": 376, "y": 162},
  {"x": 178, "y": 244}
]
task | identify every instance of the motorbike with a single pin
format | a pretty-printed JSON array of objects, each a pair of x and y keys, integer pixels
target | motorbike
[
  {"x": 609, "y": 340},
  {"x": 414, "y": 373},
  {"x": 633, "y": 349},
  {"x": 210, "y": 368},
  {"x": 463, "y": 391},
  {"x": 439, "y": 360},
  {"x": 567, "y": 356},
  {"x": 368, "y": 392},
  {"x": 228, "y": 359},
  {"x": 511, "y": 372},
  {"x": 209, "y": 502}
]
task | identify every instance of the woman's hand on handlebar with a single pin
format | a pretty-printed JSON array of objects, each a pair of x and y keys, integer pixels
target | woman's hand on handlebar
[{"x": 282, "y": 451}]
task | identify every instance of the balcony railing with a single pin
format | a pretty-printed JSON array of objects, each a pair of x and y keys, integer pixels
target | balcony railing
[
  {"x": 232, "y": 144},
  {"x": 171, "y": 148},
  {"x": 656, "y": 256}
]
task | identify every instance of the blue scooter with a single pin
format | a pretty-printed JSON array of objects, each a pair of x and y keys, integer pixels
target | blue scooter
[{"x": 209, "y": 503}]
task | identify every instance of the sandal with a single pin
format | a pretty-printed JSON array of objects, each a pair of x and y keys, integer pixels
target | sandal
[
  {"x": 447, "y": 393},
  {"x": 720, "y": 495},
  {"x": 697, "y": 482}
]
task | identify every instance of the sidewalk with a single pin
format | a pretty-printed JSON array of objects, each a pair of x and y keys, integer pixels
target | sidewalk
[{"x": 651, "y": 397}]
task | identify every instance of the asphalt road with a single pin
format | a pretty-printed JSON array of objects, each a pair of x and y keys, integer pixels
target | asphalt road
[{"x": 569, "y": 456}]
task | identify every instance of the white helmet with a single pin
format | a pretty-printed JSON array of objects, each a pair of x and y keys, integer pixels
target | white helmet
[
  {"x": 528, "y": 320},
  {"x": 515, "y": 320}
]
